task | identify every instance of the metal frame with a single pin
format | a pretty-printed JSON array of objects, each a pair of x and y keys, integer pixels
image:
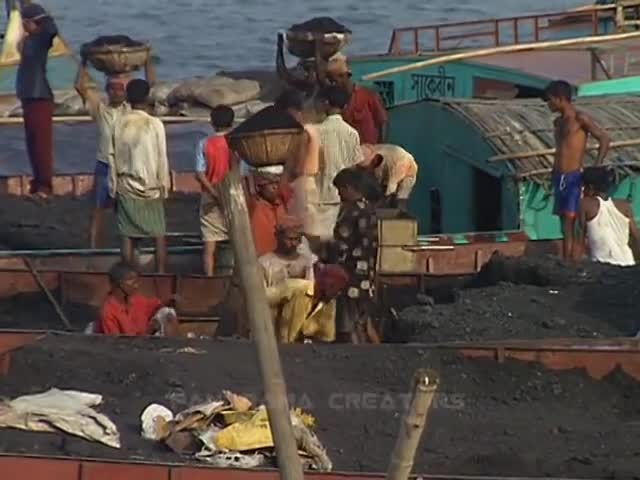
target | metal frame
[{"x": 494, "y": 29}]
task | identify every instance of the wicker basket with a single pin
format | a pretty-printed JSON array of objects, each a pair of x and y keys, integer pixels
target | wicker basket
[
  {"x": 268, "y": 147},
  {"x": 114, "y": 59},
  {"x": 302, "y": 44}
]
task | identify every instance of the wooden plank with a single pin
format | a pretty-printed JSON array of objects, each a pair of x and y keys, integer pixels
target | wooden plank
[{"x": 550, "y": 151}]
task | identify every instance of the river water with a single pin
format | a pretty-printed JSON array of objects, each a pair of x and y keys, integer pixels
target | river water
[{"x": 200, "y": 37}]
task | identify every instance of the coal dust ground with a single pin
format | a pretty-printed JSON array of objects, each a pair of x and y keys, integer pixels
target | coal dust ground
[
  {"x": 510, "y": 299},
  {"x": 488, "y": 418},
  {"x": 526, "y": 299},
  {"x": 63, "y": 222}
]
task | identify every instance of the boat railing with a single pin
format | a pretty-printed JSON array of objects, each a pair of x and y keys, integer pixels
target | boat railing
[{"x": 496, "y": 32}]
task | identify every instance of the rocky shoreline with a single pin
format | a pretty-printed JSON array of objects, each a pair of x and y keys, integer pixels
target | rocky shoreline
[{"x": 245, "y": 91}]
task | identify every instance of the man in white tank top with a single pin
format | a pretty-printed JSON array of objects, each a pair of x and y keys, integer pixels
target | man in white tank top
[{"x": 607, "y": 225}]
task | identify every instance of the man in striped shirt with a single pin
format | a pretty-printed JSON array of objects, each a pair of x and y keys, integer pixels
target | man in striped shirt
[{"x": 339, "y": 149}]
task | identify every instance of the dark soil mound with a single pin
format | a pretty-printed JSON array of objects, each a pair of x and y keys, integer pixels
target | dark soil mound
[
  {"x": 529, "y": 298},
  {"x": 540, "y": 272},
  {"x": 63, "y": 222},
  {"x": 511, "y": 419},
  {"x": 320, "y": 25},
  {"x": 269, "y": 118}
]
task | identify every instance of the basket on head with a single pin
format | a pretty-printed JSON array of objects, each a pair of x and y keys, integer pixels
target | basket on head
[
  {"x": 267, "y": 147},
  {"x": 113, "y": 59},
  {"x": 302, "y": 44}
]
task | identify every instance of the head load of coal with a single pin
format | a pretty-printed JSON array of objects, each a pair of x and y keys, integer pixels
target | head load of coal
[
  {"x": 269, "y": 118},
  {"x": 320, "y": 25},
  {"x": 113, "y": 41}
]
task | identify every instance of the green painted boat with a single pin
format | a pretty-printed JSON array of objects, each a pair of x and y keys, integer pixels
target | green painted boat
[{"x": 479, "y": 163}]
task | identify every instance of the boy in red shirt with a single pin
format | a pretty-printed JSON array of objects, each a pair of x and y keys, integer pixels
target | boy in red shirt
[
  {"x": 126, "y": 312},
  {"x": 213, "y": 158}
]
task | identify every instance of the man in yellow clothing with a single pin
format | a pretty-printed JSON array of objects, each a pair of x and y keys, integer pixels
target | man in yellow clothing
[{"x": 301, "y": 293}]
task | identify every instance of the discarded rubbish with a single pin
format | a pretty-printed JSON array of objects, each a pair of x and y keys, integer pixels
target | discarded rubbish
[
  {"x": 61, "y": 410},
  {"x": 155, "y": 419},
  {"x": 230, "y": 433}
]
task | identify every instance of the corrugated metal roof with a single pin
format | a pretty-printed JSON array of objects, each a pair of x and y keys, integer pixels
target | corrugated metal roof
[{"x": 516, "y": 128}]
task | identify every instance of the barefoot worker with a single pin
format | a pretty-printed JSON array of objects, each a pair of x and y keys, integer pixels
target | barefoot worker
[
  {"x": 572, "y": 129},
  {"x": 105, "y": 116},
  {"x": 356, "y": 246},
  {"x": 213, "y": 160},
  {"x": 302, "y": 171},
  {"x": 139, "y": 176},
  {"x": 302, "y": 302},
  {"x": 607, "y": 224},
  {"x": 339, "y": 149},
  {"x": 35, "y": 94},
  {"x": 395, "y": 169},
  {"x": 126, "y": 312}
]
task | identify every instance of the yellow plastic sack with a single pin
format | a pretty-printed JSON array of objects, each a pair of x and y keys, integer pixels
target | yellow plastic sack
[{"x": 246, "y": 435}]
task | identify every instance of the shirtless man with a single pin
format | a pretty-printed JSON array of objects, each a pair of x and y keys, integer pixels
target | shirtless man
[{"x": 572, "y": 129}]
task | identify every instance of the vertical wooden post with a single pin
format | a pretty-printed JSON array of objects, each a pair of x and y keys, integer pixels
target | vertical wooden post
[
  {"x": 412, "y": 426},
  {"x": 259, "y": 313}
]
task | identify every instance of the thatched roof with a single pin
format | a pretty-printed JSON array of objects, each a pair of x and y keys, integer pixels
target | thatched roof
[{"x": 516, "y": 127}]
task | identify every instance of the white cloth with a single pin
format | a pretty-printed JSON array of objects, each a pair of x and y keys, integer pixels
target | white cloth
[
  {"x": 140, "y": 166},
  {"x": 105, "y": 117},
  {"x": 340, "y": 149},
  {"x": 66, "y": 410},
  {"x": 277, "y": 270},
  {"x": 608, "y": 234}
]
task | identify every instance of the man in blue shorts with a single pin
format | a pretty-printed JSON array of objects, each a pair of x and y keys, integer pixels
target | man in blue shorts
[
  {"x": 105, "y": 115},
  {"x": 572, "y": 129}
]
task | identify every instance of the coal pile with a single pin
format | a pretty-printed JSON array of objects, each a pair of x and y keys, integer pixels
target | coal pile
[
  {"x": 269, "y": 118},
  {"x": 320, "y": 25},
  {"x": 528, "y": 299},
  {"x": 63, "y": 222},
  {"x": 485, "y": 418},
  {"x": 113, "y": 41}
]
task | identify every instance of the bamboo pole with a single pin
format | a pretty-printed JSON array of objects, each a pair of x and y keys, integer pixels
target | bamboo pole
[
  {"x": 551, "y": 151},
  {"x": 542, "y": 171},
  {"x": 47, "y": 292},
  {"x": 485, "y": 52},
  {"x": 87, "y": 119},
  {"x": 424, "y": 388},
  {"x": 259, "y": 313}
]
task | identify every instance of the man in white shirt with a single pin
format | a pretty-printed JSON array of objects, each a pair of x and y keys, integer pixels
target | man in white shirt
[
  {"x": 105, "y": 115},
  {"x": 339, "y": 149},
  {"x": 139, "y": 176}
]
